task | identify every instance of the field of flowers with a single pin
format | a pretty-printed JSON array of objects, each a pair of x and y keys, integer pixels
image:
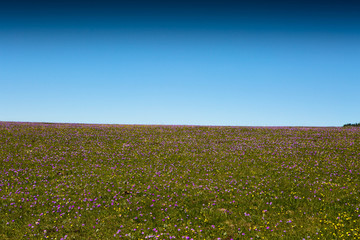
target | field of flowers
[{"x": 73, "y": 181}]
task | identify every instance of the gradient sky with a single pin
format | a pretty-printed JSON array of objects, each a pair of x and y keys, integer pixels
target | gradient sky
[{"x": 264, "y": 63}]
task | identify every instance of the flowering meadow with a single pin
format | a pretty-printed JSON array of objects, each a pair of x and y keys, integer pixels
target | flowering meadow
[{"x": 81, "y": 181}]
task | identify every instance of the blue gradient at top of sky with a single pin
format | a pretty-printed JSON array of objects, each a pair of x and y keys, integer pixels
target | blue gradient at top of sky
[{"x": 204, "y": 63}]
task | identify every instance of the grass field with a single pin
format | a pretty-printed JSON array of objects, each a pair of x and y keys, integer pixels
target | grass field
[{"x": 73, "y": 181}]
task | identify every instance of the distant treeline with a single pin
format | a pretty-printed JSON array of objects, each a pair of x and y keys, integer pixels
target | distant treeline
[{"x": 352, "y": 125}]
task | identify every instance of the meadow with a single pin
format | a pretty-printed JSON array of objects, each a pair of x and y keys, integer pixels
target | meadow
[{"x": 79, "y": 181}]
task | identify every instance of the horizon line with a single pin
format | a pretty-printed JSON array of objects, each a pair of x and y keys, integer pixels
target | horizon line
[{"x": 155, "y": 124}]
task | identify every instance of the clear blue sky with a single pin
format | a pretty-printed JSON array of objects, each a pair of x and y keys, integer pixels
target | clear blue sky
[{"x": 215, "y": 64}]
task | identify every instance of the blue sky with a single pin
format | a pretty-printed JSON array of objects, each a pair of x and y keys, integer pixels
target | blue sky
[{"x": 215, "y": 64}]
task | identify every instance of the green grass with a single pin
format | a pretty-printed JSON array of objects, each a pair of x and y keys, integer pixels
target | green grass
[{"x": 73, "y": 181}]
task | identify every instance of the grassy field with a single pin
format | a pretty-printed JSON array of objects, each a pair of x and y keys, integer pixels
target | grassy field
[{"x": 73, "y": 181}]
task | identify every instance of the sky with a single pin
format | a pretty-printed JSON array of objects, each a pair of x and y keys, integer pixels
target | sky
[{"x": 255, "y": 63}]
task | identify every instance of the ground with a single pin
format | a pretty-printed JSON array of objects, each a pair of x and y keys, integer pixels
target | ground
[{"x": 78, "y": 181}]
